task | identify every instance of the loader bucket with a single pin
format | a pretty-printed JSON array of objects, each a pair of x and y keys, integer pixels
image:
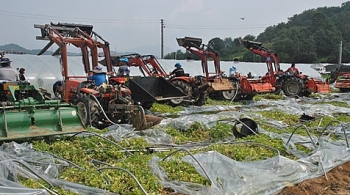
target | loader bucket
[
  {"x": 189, "y": 42},
  {"x": 221, "y": 84},
  {"x": 36, "y": 122},
  {"x": 62, "y": 27},
  {"x": 250, "y": 44},
  {"x": 152, "y": 89}
]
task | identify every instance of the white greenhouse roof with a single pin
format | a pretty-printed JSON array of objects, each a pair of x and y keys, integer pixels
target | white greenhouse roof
[{"x": 46, "y": 69}]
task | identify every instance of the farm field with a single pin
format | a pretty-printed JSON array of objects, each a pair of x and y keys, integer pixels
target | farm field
[{"x": 298, "y": 146}]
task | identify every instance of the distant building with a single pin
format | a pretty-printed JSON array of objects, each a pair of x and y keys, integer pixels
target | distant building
[
  {"x": 320, "y": 68},
  {"x": 342, "y": 68},
  {"x": 12, "y": 51}
]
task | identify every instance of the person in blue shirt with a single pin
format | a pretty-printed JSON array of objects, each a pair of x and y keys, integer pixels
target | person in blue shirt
[
  {"x": 123, "y": 69},
  {"x": 98, "y": 76},
  {"x": 233, "y": 71}
]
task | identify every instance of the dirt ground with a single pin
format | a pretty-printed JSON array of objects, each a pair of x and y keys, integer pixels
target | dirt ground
[{"x": 338, "y": 183}]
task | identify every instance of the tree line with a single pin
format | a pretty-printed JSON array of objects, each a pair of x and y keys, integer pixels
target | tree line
[{"x": 314, "y": 36}]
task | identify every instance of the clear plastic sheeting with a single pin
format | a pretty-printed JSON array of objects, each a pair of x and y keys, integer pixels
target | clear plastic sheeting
[
  {"x": 22, "y": 159},
  {"x": 21, "y": 191},
  {"x": 256, "y": 69},
  {"x": 226, "y": 176}
]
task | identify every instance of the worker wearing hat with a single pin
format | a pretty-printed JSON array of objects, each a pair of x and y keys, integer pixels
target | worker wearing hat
[
  {"x": 21, "y": 74},
  {"x": 7, "y": 73},
  {"x": 178, "y": 71},
  {"x": 233, "y": 71},
  {"x": 124, "y": 69},
  {"x": 98, "y": 76}
]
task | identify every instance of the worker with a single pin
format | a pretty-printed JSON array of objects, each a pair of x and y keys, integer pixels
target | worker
[
  {"x": 6, "y": 71},
  {"x": 292, "y": 69},
  {"x": 98, "y": 76},
  {"x": 249, "y": 75},
  {"x": 57, "y": 88},
  {"x": 178, "y": 71},
  {"x": 124, "y": 69},
  {"x": 233, "y": 71},
  {"x": 21, "y": 74}
]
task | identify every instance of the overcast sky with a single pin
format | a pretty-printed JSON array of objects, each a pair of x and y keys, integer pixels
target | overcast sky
[{"x": 129, "y": 24}]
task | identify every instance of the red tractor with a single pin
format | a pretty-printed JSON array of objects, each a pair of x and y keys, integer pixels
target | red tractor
[
  {"x": 195, "y": 87},
  {"x": 290, "y": 84},
  {"x": 341, "y": 77},
  {"x": 179, "y": 91},
  {"x": 152, "y": 86},
  {"x": 221, "y": 87},
  {"x": 98, "y": 106}
]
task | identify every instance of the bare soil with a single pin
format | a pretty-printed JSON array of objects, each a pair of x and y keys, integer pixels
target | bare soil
[{"x": 336, "y": 183}]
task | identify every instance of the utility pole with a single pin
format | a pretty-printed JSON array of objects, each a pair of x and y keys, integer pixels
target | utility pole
[
  {"x": 161, "y": 39},
  {"x": 340, "y": 51}
]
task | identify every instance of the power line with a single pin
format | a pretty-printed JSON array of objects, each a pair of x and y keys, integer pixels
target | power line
[
  {"x": 100, "y": 20},
  {"x": 213, "y": 28},
  {"x": 50, "y": 17}
]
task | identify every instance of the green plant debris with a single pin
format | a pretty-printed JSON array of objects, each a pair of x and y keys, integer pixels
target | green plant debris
[
  {"x": 164, "y": 108},
  {"x": 269, "y": 96},
  {"x": 83, "y": 151},
  {"x": 222, "y": 102},
  {"x": 335, "y": 103}
]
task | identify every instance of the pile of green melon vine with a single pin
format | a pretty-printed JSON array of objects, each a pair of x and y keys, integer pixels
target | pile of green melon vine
[{"x": 83, "y": 150}]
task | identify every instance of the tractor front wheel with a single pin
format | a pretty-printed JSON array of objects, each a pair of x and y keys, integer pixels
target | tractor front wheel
[
  {"x": 186, "y": 89},
  {"x": 231, "y": 94}
]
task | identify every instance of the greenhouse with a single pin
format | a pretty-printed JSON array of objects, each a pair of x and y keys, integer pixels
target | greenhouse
[{"x": 45, "y": 70}]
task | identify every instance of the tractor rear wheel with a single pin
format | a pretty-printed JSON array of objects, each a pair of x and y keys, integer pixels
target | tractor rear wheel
[
  {"x": 94, "y": 112},
  {"x": 83, "y": 113},
  {"x": 293, "y": 86},
  {"x": 123, "y": 118},
  {"x": 202, "y": 99},
  {"x": 88, "y": 111},
  {"x": 186, "y": 89}
]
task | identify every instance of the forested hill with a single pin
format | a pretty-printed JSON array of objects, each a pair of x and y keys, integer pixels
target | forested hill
[{"x": 314, "y": 36}]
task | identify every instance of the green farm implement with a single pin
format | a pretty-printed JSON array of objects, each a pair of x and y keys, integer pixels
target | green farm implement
[{"x": 25, "y": 113}]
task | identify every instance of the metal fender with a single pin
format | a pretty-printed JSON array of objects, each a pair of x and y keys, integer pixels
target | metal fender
[
  {"x": 246, "y": 87},
  {"x": 184, "y": 79},
  {"x": 311, "y": 85}
]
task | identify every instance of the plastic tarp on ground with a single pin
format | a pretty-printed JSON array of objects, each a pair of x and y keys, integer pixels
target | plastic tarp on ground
[
  {"x": 43, "y": 71},
  {"x": 227, "y": 176}
]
